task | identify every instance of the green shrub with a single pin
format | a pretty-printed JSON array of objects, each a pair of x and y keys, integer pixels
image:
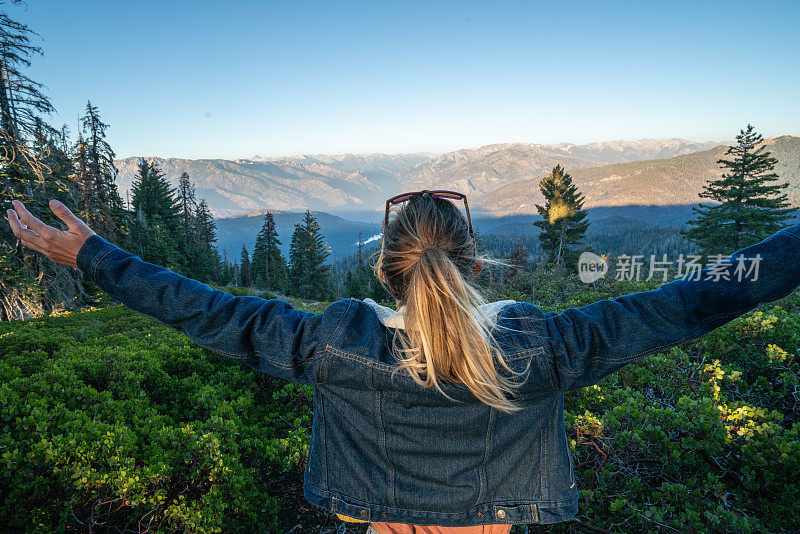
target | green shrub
[{"x": 109, "y": 417}]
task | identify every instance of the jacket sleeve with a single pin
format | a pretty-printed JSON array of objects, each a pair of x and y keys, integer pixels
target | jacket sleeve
[
  {"x": 268, "y": 335},
  {"x": 583, "y": 345}
]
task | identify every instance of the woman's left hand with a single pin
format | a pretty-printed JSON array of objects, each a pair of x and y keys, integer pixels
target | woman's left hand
[{"x": 60, "y": 246}]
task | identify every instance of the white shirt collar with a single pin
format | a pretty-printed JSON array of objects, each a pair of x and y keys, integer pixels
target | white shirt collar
[{"x": 394, "y": 319}]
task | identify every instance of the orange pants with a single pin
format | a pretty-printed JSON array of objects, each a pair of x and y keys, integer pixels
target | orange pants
[{"x": 402, "y": 528}]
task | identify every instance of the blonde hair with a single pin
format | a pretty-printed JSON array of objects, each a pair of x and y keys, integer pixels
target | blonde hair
[{"x": 427, "y": 261}]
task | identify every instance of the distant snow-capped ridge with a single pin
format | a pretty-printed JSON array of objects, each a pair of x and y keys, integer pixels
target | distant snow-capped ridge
[{"x": 340, "y": 182}]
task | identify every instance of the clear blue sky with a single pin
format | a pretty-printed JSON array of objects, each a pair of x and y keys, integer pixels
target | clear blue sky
[{"x": 234, "y": 79}]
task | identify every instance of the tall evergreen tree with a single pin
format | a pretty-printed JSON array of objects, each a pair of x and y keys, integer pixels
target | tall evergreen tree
[
  {"x": 157, "y": 216},
  {"x": 81, "y": 177},
  {"x": 209, "y": 266},
  {"x": 188, "y": 243},
  {"x": 377, "y": 291},
  {"x": 51, "y": 148},
  {"x": 22, "y": 101},
  {"x": 33, "y": 169},
  {"x": 102, "y": 207},
  {"x": 563, "y": 217},
  {"x": 206, "y": 228},
  {"x": 245, "y": 273},
  {"x": 236, "y": 278},
  {"x": 268, "y": 264},
  {"x": 187, "y": 203},
  {"x": 63, "y": 139},
  {"x": 227, "y": 270},
  {"x": 751, "y": 205},
  {"x": 518, "y": 260},
  {"x": 308, "y": 251},
  {"x": 358, "y": 281},
  {"x": 153, "y": 196}
]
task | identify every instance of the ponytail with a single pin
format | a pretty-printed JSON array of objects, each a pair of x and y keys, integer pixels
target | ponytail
[{"x": 427, "y": 259}]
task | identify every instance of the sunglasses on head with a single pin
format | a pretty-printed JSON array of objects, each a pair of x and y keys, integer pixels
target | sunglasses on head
[{"x": 451, "y": 195}]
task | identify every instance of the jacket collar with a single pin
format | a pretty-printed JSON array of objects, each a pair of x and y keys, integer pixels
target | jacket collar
[{"x": 394, "y": 319}]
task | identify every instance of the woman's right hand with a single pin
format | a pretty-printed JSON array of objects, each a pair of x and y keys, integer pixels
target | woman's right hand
[{"x": 60, "y": 246}]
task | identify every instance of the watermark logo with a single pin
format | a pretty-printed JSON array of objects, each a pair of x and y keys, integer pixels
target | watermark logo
[{"x": 591, "y": 267}]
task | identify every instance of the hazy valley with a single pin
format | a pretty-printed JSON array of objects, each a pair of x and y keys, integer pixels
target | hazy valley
[
  {"x": 632, "y": 184},
  {"x": 353, "y": 183}
]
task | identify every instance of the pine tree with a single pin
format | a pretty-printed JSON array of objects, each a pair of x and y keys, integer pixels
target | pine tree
[
  {"x": 209, "y": 266},
  {"x": 51, "y": 148},
  {"x": 236, "y": 278},
  {"x": 187, "y": 244},
  {"x": 153, "y": 196},
  {"x": 377, "y": 291},
  {"x": 206, "y": 228},
  {"x": 245, "y": 273},
  {"x": 518, "y": 260},
  {"x": 81, "y": 177},
  {"x": 187, "y": 203},
  {"x": 102, "y": 207},
  {"x": 308, "y": 274},
  {"x": 158, "y": 213},
  {"x": 268, "y": 264},
  {"x": 22, "y": 101},
  {"x": 34, "y": 167},
  {"x": 563, "y": 217},
  {"x": 358, "y": 281},
  {"x": 227, "y": 274},
  {"x": 751, "y": 206}
]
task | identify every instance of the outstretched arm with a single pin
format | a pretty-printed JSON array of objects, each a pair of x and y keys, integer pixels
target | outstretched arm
[
  {"x": 268, "y": 335},
  {"x": 583, "y": 345}
]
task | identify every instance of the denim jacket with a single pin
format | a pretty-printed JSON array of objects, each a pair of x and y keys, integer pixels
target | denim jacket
[{"x": 384, "y": 448}]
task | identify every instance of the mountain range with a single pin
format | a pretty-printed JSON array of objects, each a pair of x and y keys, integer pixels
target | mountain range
[
  {"x": 361, "y": 182},
  {"x": 233, "y": 187},
  {"x": 488, "y": 168},
  {"x": 645, "y": 182},
  {"x": 659, "y": 182}
]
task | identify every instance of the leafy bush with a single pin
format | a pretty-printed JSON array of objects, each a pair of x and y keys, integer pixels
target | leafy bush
[
  {"x": 703, "y": 438},
  {"x": 111, "y": 419},
  {"x": 108, "y": 418}
]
